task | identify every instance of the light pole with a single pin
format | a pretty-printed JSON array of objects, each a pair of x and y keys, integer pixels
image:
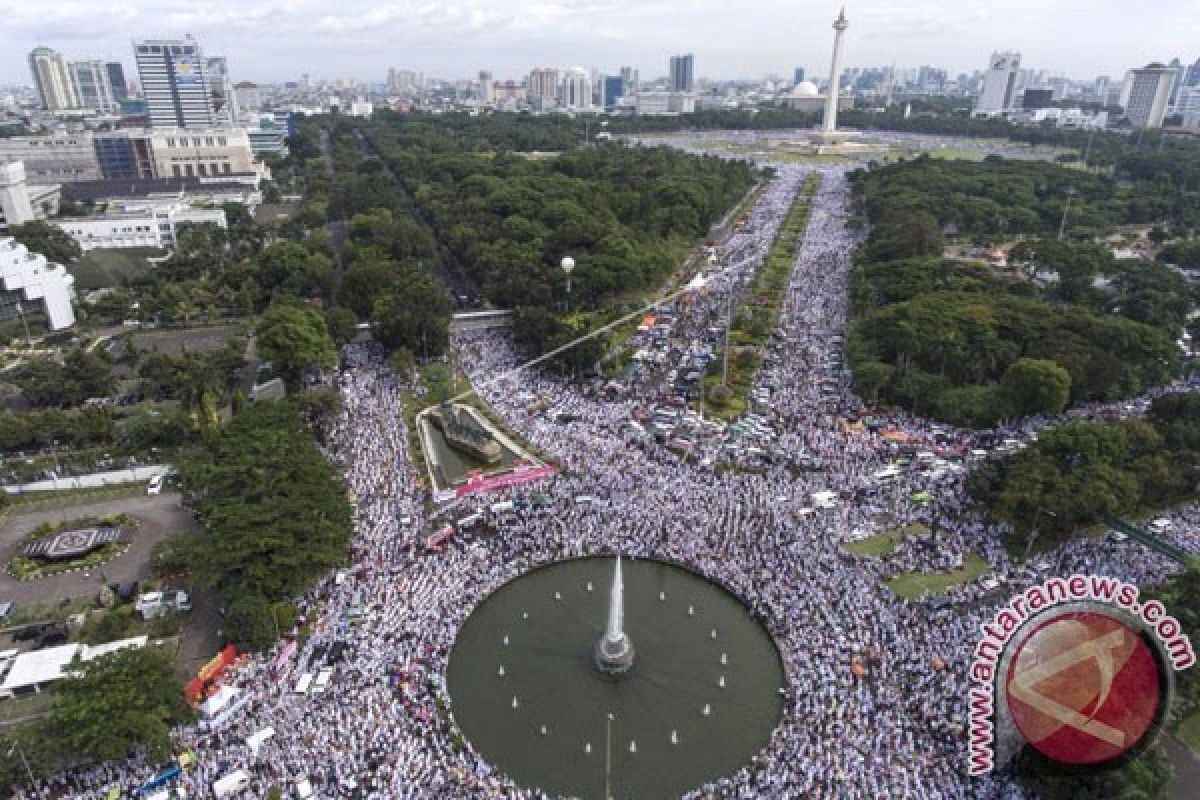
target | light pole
[
  {"x": 1033, "y": 530},
  {"x": 608, "y": 757},
  {"x": 1062, "y": 225},
  {"x": 21, "y": 752},
  {"x": 728, "y": 325},
  {"x": 568, "y": 266}
]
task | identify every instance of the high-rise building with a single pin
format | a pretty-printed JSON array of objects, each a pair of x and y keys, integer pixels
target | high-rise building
[
  {"x": 1191, "y": 77},
  {"x": 116, "y": 79},
  {"x": 175, "y": 84},
  {"x": 576, "y": 89},
  {"x": 612, "y": 88},
  {"x": 52, "y": 79},
  {"x": 543, "y": 86},
  {"x": 487, "y": 88},
  {"x": 1149, "y": 95},
  {"x": 999, "y": 83},
  {"x": 797, "y": 76},
  {"x": 93, "y": 86},
  {"x": 682, "y": 77},
  {"x": 629, "y": 77},
  {"x": 1189, "y": 106},
  {"x": 1033, "y": 99}
]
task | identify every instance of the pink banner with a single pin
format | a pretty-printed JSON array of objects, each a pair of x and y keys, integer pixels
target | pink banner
[
  {"x": 519, "y": 475},
  {"x": 281, "y": 660}
]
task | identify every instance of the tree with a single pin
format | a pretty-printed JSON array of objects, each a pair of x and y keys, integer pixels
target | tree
[
  {"x": 363, "y": 284},
  {"x": 116, "y": 704},
  {"x": 1035, "y": 386},
  {"x": 295, "y": 340},
  {"x": 248, "y": 623},
  {"x": 48, "y": 240},
  {"x": 342, "y": 324},
  {"x": 274, "y": 509},
  {"x": 413, "y": 315}
]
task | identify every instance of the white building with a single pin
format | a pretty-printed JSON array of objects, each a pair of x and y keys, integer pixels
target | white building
[
  {"x": 59, "y": 157},
  {"x": 999, "y": 84},
  {"x": 94, "y": 87},
  {"x": 1149, "y": 95},
  {"x": 20, "y": 202},
  {"x": 175, "y": 83},
  {"x": 148, "y": 224},
  {"x": 576, "y": 89},
  {"x": 659, "y": 103},
  {"x": 1189, "y": 106},
  {"x": 52, "y": 79},
  {"x": 33, "y": 671},
  {"x": 29, "y": 282},
  {"x": 181, "y": 153},
  {"x": 543, "y": 87}
]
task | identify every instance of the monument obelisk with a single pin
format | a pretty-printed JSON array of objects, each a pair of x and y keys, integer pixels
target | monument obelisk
[
  {"x": 832, "y": 93},
  {"x": 614, "y": 651}
]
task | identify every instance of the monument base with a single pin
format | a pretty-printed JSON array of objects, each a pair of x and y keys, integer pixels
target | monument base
[{"x": 614, "y": 657}]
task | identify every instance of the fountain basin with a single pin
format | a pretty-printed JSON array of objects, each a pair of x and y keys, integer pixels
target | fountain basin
[{"x": 659, "y": 704}]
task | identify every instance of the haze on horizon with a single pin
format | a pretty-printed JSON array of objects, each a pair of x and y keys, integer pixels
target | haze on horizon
[{"x": 278, "y": 40}]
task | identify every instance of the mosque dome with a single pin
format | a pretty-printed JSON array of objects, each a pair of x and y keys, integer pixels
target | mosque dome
[{"x": 805, "y": 89}]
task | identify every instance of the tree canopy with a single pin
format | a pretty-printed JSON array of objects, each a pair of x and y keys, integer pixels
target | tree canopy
[
  {"x": 295, "y": 340},
  {"x": 274, "y": 509},
  {"x": 48, "y": 240}
]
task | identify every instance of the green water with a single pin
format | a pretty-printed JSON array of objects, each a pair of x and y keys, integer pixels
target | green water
[
  {"x": 548, "y": 667},
  {"x": 457, "y": 463}
]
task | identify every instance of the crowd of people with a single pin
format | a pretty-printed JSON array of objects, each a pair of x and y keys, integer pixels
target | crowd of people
[{"x": 893, "y": 727}]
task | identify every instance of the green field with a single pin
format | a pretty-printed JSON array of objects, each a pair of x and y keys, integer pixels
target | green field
[
  {"x": 912, "y": 585},
  {"x": 1189, "y": 732},
  {"x": 103, "y": 269},
  {"x": 883, "y": 543}
]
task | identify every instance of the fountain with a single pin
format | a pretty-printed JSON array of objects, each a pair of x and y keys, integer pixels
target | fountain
[
  {"x": 614, "y": 651},
  {"x": 571, "y": 670}
]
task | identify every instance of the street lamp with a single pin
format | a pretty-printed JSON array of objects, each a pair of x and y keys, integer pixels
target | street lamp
[
  {"x": 1033, "y": 531},
  {"x": 568, "y": 266}
]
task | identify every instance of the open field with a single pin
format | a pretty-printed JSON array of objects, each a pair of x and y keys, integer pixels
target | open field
[
  {"x": 1189, "y": 732},
  {"x": 912, "y": 585},
  {"x": 102, "y": 269},
  {"x": 883, "y": 543}
]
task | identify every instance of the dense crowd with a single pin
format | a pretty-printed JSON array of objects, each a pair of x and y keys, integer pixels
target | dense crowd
[{"x": 894, "y": 728}]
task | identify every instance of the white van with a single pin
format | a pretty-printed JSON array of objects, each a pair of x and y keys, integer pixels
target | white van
[
  {"x": 302, "y": 685},
  {"x": 323, "y": 679},
  {"x": 155, "y": 486},
  {"x": 824, "y": 499},
  {"x": 232, "y": 783},
  {"x": 502, "y": 507}
]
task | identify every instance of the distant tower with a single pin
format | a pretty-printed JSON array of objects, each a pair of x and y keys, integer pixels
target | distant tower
[{"x": 829, "y": 123}]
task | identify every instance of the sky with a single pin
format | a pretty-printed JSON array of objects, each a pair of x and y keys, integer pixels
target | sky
[{"x": 276, "y": 40}]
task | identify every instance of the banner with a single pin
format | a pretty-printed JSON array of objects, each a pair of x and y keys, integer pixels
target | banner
[
  {"x": 208, "y": 673},
  {"x": 479, "y": 484}
]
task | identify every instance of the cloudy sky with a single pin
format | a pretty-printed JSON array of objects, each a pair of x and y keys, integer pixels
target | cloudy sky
[{"x": 274, "y": 40}]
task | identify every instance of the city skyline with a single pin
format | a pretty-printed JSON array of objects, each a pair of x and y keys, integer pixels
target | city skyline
[{"x": 354, "y": 40}]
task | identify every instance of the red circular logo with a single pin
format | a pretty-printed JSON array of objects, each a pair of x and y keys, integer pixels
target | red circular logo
[{"x": 1084, "y": 687}]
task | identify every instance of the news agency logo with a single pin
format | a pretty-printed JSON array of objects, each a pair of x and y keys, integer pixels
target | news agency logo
[{"x": 1078, "y": 669}]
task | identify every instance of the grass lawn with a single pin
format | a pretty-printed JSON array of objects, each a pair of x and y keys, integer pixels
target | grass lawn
[
  {"x": 912, "y": 585},
  {"x": 101, "y": 269},
  {"x": 1189, "y": 732},
  {"x": 954, "y": 154},
  {"x": 883, "y": 543}
]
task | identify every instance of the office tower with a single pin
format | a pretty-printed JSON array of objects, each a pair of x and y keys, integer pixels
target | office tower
[
  {"x": 999, "y": 83},
  {"x": 116, "y": 79},
  {"x": 797, "y": 76},
  {"x": 613, "y": 88},
  {"x": 93, "y": 86},
  {"x": 576, "y": 89},
  {"x": 487, "y": 88},
  {"x": 682, "y": 77},
  {"x": 52, "y": 79},
  {"x": 543, "y": 86},
  {"x": 1033, "y": 99},
  {"x": 1149, "y": 95},
  {"x": 630, "y": 81},
  {"x": 1189, "y": 106},
  {"x": 1191, "y": 77},
  {"x": 177, "y": 91}
]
